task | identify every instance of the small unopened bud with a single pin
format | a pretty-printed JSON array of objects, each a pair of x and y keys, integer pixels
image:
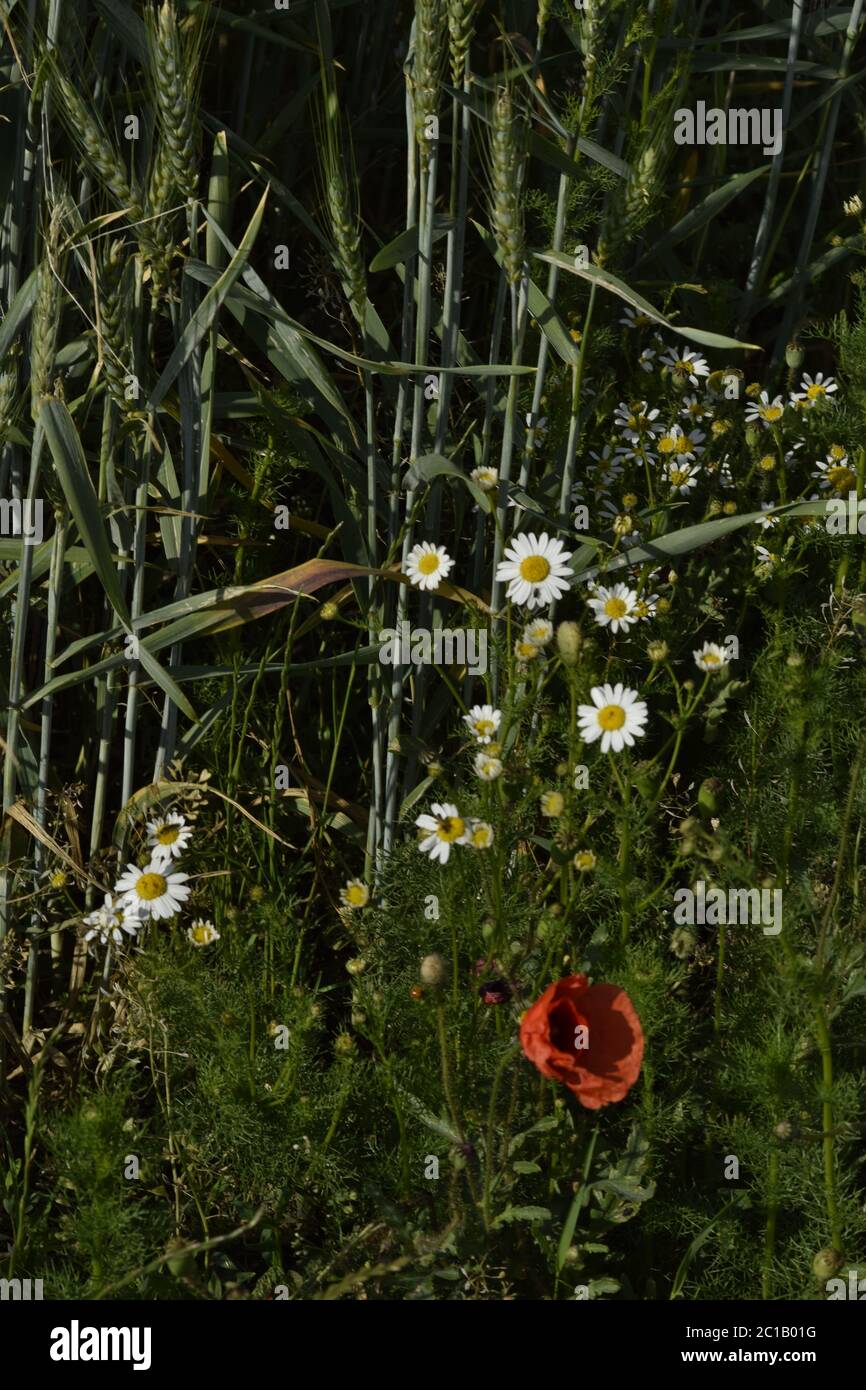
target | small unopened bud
[
  {"x": 782, "y": 1130},
  {"x": 794, "y": 356},
  {"x": 753, "y": 436},
  {"x": 329, "y": 611},
  {"x": 434, "y": 971},
  {"x": 356, "y": 966},
  {"x": 658, "y": 651},
  {"x": 568, "y": 643},
  {"x": 683, "y": 942},
  {"x": 826, "y": 1263}
]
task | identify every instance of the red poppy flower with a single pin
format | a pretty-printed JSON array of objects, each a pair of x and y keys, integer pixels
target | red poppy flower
[{"x": 587, "y": 1036}]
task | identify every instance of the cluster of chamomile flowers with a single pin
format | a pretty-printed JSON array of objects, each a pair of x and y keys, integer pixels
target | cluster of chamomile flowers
[{"x": 155, "y": 892}]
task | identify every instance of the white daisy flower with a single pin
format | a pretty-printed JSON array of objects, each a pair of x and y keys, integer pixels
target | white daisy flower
[
  {"x": 646, "y": 361},
  {"x": 711, "y": 657},
  {"x": 616, "y": 716},
  {"x": 153, "y": 892},
  {"x": 838, "y": 476},
  {"x": 631, "y": 318},
  {"x": 485, "y": 477},
  {"x": 636, "y": 421},
  {"x": 486, "y": 767},
  {"x": 202, "y": 933},
  {"x": 693, "y": 409},
  {"x": 769, "y": 412},
  {"x": 606, "y": 468},
  {"x": 539, "y": 632},
  {"x": 480, "y": 834},
  {"x": 767, "y": 521},
  {"x": 675, "y": 443},
  {"x": 445, "y": 827},
  {"x": 168, "y": 837},
  {"x": 687, "y": 361},
  {"x": 811, "y": 391},
  {"x": 110, "y": 921},
  {"x": 614, "y": 608},
  {"x": 536, "y": 569},
  {"x": 539, "y": 428},
  {"x": 645, "y": 607},
  {"x": 483, "y": 721},
  {"x": 355, "y": 894},
  {"x": 622, "y": 524},
  {"x": 526, "y": 651},
  {"x": 552, "y": 804},
  {"x": 427, "y": 565},
  {"x": 682, "y": 477}
]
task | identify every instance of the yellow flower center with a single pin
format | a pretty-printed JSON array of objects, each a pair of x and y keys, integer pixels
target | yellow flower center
[
  {"x": 167, "y": 834},
  {"x": 771, "y": 413},
  {"x": 450, "y": 829},
  {"x": 201, "y": 934},
  {"x": 151, "y": 886},
  {"x": 841, "y": 478},
  {"x": 584, "y": 860},
  {"x": 484, "y": 726},
  {"x": 615, "y": 608},
  {"x": 678, "y": 477},
  {"x": 356, "y": 894},
  {"x": 429, "y": 563},
  {"x": 814, "y": 391},
  {"x": 611, "y": 717},
  {"x": 768, "y": 463},
  {"x": 667, "y": 444},
  {"x": 711, "y": 659},
  {"x": 481, "y": 838},
  {"x": 534, "y": 568},
  {"x": 58, "y": 879},
  {"x": 837, "y": 452}
]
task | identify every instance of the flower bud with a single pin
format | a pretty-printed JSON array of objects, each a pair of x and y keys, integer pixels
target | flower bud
[
  {"x": 683, "y": 942},
  {"x": 329, "y": 611},
  {"x": 658, "y": 651},
  {"x": 434, "y": 971},
  {"x": 826, "y": 1263},
  {"x": 568, "y": 643},
  {"x": 753, "y": 436},
  {"x": 710, "y": 797},
  {"x": 794, "y": 356}
]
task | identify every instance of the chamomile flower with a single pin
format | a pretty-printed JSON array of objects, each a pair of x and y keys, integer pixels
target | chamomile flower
[
  {"x": 584, "y": 861},
  {"x": 688, "y": 362},
  {"x": 606, "y": 468},
  {"x": 616, "y": 716},
  {"x": 427, "y": 565},
  {"x": 526, "y": 651},
  {"x": 539, "y": 428},
  {"x": 480, "y": 835},
  {"x": 153, "y": 891},
  {"x": 813, "y": 391},
  {"x": 768, "y": 412},
  {"x": 645, "y": 607},
  {"x": 646, "y": 361},
  {"x": 682, "y": 477},
  {"x": 168, "y": 837},
  {"x": 695, "y": 410},
  {"x": 56, "y": 879},
  {"x": 836, "y": 474},
  {"x": 614, "y": 608},
  {"x": 536, "y": 569},
  {"x": 676, "y": 444},
  {"x": 485, "y": 477},
  {"x": 202, "y": 933},
  {"x": 539, "y": 632},
  {"x": 632, "y": 318},
  {"x": 552, "y": 804},
  {"x": 621, "y": 523},
  {"x": 711, "y": 658},
  {"x": 110, "y": 921},
  {"x": 444, "y": 827},
  {"x": 355, "y": 894},
  {"x": 636, "y": 421},
  {"x": 766, "y": 521},
  {"x": 483, "y": 721},
  {"x": 486, "y": 767}
]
